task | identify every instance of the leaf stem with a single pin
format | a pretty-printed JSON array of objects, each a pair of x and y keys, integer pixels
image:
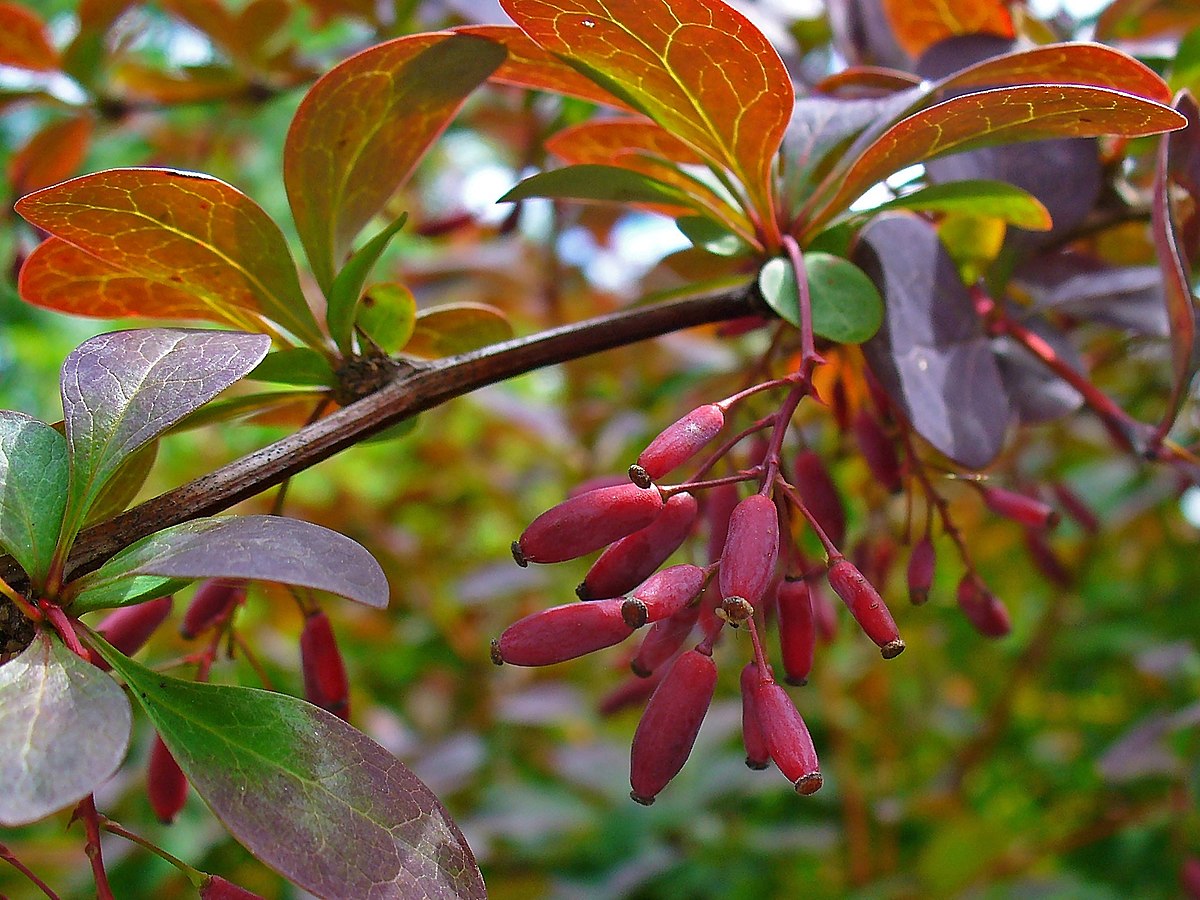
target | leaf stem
[
  {"x": 7, "y": 856},
  {"x": 194, "y": 875},
  {"x": 809, "y": 357},
  {"x": 86, "y": 810}
]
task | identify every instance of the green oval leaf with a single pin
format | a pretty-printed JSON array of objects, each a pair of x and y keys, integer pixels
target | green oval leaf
[
  {"x": 64, "y": 728},
  {"x": 710, "y": 236},
  {"x": 602, "y": 184},
  {"x": 387, "y": 315},
  {"x": 846, "y": 307},
  {"x": 33, "y": 491},
  {"x": 296, "y": 365},
  {"x": 310, "y": 796},
  {"x": 993, "y": 199}
]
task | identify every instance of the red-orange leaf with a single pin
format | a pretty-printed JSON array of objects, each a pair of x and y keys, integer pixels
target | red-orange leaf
[
  {"x": 180, "y": 231},
  {"x": 1005, "y": 115},
  {"x": 1132, "y": 19},
  {"x": 918, "y": 24},
  {"x": 52, "y": 155},
  {"x": 529, "y": 66},
  {"x": 363, "y": 127},
  {"x": 698, "y": 68},
  {"x": 24, "y": 41}
]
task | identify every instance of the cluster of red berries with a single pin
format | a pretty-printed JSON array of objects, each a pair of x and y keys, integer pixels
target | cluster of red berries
[{"x": 752, "y": 578}]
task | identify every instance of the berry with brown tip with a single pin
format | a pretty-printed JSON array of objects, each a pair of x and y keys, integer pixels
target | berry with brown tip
[
  {"x": 757, "y": 756},
  {"x": 681, "y": 441},
  {"x": 866, "y": 606},
  {"x": 983, "y": 609},
  {"x": 788, "y": 741},
  {"x": 751, "y": 549},
  {"x": 562, "y": 632},
  {"x": 587, "y": 522},
  {"x": 820, "y": 494},
  {"x": 921, "y": 563}
]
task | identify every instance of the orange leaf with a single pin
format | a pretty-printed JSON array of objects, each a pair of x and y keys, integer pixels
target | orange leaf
[
  {"x": 529, "y": 66},
  {"x": 698, "y": 68},
  {"x": 1003, "y": 115},
  {"x": 52, "y": 155},
  {"x": 24, "y": 41},
  {"x": 362, "y": 128},
  {"x": 1134, "y": 19},
  {"x": 918, "y": 24},
  {"x": 182, "y": 232},
  {"x": 455, "y": 328},
  {"x": 135, "y": 80}
]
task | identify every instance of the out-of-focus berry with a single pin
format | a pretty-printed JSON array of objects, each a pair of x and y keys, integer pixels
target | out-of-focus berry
[
  {"x": 797, "y": 630},
  {"x": 325, "y": 683},
  {"x": 129, "y": 627},
  {"x": 212, "y": 603},
  {"x": 820, "y": 494},
  {"x": 921, "y": 564},
  {"x": 165, "y": 783},
  {"x": 983, "y": 609},
  {"x": 1020, "y": 508}
]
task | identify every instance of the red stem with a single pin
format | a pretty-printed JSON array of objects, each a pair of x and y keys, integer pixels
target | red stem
[
  {"x": 86, "y": 810},
  {"x": 7, "y": 856}
]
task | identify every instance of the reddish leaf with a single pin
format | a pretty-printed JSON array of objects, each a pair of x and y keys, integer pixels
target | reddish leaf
[
  {"x": 1004, "y": 115},
  {"x": 52, "y": 155},
  {"x": 362, "y": 128},
  {"x": 135, "y": 81},
  {"x": 457, "y": 328},
  {"x": 529, "y": 66},
  {"x": 182, "y": 231},
  {"x": 1146, "y": 18},
  {"x": 24, "y": 41},
  {"x": 696, "y": 67},
  {"x": 917, "y": 24}
]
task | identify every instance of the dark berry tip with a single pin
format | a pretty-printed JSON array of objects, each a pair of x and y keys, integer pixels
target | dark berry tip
[
  {"x": 634, "y": 612},
  {"x": 640, "y": 476},
  {"x": 638, "y": 798},
  {"x": 796, "y": 682},
  {"x": 639, "y": 670},
  {"x": 809, "y": 784},
  {"x": 918, "y": 598},
  {"x": 756, "y": 764},
  {"x": 892, "y": 649},
  {"x": 519, "y": 554},
  {"x": 582, "y": 592},
  {"x": 497, "y": 656}
]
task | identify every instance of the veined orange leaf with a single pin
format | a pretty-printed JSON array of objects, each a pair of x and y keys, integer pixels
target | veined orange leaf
[
  {"x": 698, "y": 68},
  {"x": 919, "y": 24},
  {"x": 362, "y": 128},
  {"x": 1004, "y": 115},
  {"x": 52, "y": 155},
  {"x": 24, "y": 41},
  {"x": 175, "y": 232}
]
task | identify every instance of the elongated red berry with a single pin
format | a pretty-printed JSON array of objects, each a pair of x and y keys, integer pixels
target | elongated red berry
[
  {"x": 983, "y": 609},
  {"x": 757, "y": 756},
  {"x": 878, "y": 451},
  {"x": 751, "y": 549},
  {"x": 214, "y": 887},
  {"x": 1020, "y": 508},
  {"x": 824, "y": 613},
  {"x": 786, "y": 736},
  {"x": 1189, "y": 877},
  {"x": 213, "y": 601},
  {"x": 921, "y": 564},
  {"x": 663, "y": 639},
  {"x": 866, "y": 606},
  {"x": 681, "y": 441},
  {"x": 797, "y": 630},
  {"x": 165, "y": 783},
  {"x": 129, "y": 627},
  {"x": 1077, "y": 508},
  {"x": 668, "y": 728},
  {"x": 1045, "y": 559},
  {"x": 633, "y": 691},
  {"x": 631, "y": 560},
  {"x": 667, "y": 592},
  {"x": 562, "y": 632},
  {"x": 586, "y": 523},
  {"x": 325, "y": 683},
  {"x": 820, "y": 495},
  {"x": 719, "y": 504}
]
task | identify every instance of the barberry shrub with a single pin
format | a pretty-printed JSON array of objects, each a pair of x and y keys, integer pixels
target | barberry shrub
[{"x": 919, "y": 266}]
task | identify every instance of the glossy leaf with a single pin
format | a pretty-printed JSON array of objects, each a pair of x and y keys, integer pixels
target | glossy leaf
[
  {"x": 123, "y": 389},
  {"x": 710, "y": 236},
  {"x": 362, "y": 128},
  {"x": 931, "y": 355},
  {"x": 296, "y": 365},
  {"x": 33, "y": 491},
  {"x": 24, "y": 40},
  {"x": 64, "y": 727},
  {"x": 346, "y": 290},
  {"x": 1080, "y": 286},
  {"x": 846, "y": 307},
  {"x": 917, "y": 24},
  {"x": 310, "y": 796},
  {"x": 1022, "y": 113},
  {"x": 387, "y": 315},
  {"x": 180, "y": 231},
  {"x": 52, "y": 155},
  {"x": 994, "y": 199},
  {"x": 696, "y": 67},
  {"x": 259, "y": 548},
  {"x": 457, "y": 328},
  {"x": 1036, "y": 393},
  {"x": 603, "y": 184}
]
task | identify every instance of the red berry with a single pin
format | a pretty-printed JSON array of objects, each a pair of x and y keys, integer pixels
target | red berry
[
  {"x": 165, "y": 783},
  {"x": 325, "y": 683},
  {"x": 786, "y": 736},
  {"x": 633, "y": 559},
  {"x": 718, "y": 507},
  {"x": 630, "y": 692},
  {"x": 751, "y": 549},
  {"x": 561, "y": 633},
  {"x": 1077, "y": 508},
  {"x": 662, "y": 640},
  {"x": 586, "y": 523},
  {"x": 921, "y": 563},
  {"x": 982, "y": 608},
  {"x": 797, "y": 630},
  {"x": 824, "y": 613},
  {"x": 1189, "y": 877},
  {"x": 866, "y": 606},
  {"x": 1022, "y": 509},
  {"x": 683, "y": 440},
  {"x": 757, "y": 756},
  {"x": 1045, "y": 559},
  {"x": 820, "y": 495},
  {"x": 878, "y": 450},
  {"x": 129, "y": 627},
  {"x": 668, "y": 728},
  {"x": 666, "y": 593},
  {"x": 212, "y": 603},
  {"x": 215, "y": 887}
]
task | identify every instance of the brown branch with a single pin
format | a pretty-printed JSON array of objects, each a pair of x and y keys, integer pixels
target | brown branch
[{"x": 413, "y": 390}]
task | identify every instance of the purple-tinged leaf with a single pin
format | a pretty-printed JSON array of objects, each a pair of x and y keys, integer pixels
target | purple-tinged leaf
[
  {"x": 1037, "y": 394},
  {"x": 259, "y": 548},
  {"x": 33, "y": 491},
  {"x": 1127, "y": 297},
  {"x": 123, "y": 389},
  {"x": 310, "y": 796},
  {"x": 64, "y": 727},
  {"x": 931, "y": 354}
]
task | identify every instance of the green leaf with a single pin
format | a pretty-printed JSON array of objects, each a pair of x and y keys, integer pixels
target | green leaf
[
  {"x": 347, "y": 286},
  {"x": 603, "y": 184},
  {"x": 296, "y": 365},
  {"x": 33, "y": 491},
  {"x": 710, "y": 236},
  {"x": 387, "y": 314},
  {"x": 314, "y": 799},
  {"x": 64, "y": 728},
  {"x": 846, "y": 307},
  {"x": 454, "y": 328},
  {"x": 994, "y": 199},
  {"x": 119, "y": 490}
]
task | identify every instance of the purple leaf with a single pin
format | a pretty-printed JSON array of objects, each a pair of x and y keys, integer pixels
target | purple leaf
[
  {"x": 1127, "y": 297},
  {"x": 1037, "y": 394},
  {"x": 310, "y": 796},
  {"x": 260, "y": 548},
  {"x": 123, "y": 389},
  {"x": 33, "y": 490},
  {"x": 931, "y": 355},
  {"x": 64, "y": 727}
]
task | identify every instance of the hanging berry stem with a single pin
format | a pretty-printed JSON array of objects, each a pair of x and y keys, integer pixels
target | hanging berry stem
[{"x": 809, "y": 358}]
